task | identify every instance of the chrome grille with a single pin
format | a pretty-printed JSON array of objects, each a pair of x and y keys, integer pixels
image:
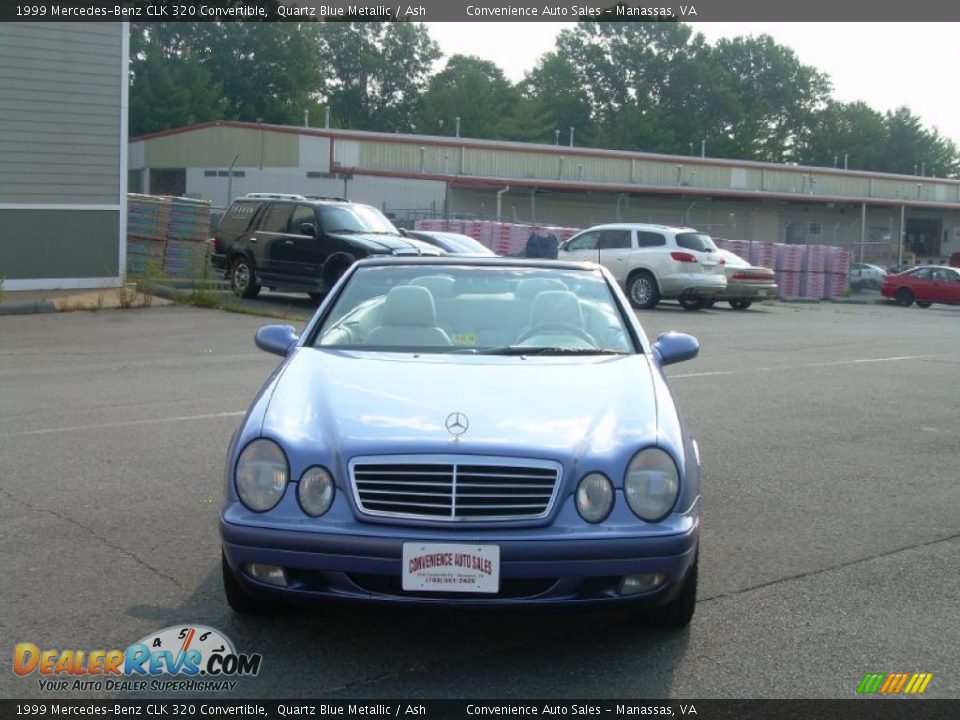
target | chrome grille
[{"x": 454, "y": 488}]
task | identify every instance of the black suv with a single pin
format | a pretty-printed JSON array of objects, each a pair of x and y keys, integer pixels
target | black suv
[{"x": 301, "y": 243}]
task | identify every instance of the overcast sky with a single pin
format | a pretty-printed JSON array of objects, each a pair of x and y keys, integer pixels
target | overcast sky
[{"x": 883, "y": 64}]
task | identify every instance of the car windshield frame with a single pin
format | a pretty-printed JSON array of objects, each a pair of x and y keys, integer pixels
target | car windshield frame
[{"x": 334, "y": 316}]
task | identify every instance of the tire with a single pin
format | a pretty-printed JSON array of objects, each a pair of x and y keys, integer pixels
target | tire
[
  {"x": 924, "y": 303},
  {"x": 740, "y": 304},
  {"x": 904, "y": 297},
  {"x": 642, "y": 290},
  {"x": 690, "y": 303},
  {"x": 243, "y": 278},
  {"x": 679, "y": 612},
  {"x": 709, "y": 303},
  {"x": 239, "y": 598}
]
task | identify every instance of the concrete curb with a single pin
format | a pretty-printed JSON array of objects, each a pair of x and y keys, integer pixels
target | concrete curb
[
  {"x": 173, "y": 292},
  {"x": 20, "y": 307}
]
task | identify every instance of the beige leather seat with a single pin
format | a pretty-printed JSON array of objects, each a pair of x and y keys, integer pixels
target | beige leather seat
[{"x": 409, "y": 319}]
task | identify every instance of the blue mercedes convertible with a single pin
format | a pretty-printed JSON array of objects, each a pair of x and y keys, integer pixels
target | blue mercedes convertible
[{"x": 466, "y": 431}]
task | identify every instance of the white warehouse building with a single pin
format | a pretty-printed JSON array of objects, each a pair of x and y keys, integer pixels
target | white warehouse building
[{"x": 881, "y": 217}]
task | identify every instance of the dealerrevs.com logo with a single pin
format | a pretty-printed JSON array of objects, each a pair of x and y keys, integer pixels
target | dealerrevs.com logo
[{"x": 201, "y": 657}]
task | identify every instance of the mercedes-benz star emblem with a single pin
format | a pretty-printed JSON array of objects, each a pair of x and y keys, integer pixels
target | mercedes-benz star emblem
[{"x": 457, "y": 424}]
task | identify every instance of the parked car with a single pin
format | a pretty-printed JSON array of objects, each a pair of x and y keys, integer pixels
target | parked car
[
  {"x": 746, "y": 283},
  {"x": 925, "y": 285},
  {"x": 450, "y": 242},
  {"x": 897, "y": 269},
  {"x": 414, "y": 446},
  {"x": 301, "y": 243},
  {"x": 653, "y": 262},
  {"x": 864, "y": 275}
]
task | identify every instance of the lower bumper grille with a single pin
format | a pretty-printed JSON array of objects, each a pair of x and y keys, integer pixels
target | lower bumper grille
[{"x": 389, "y": 585}]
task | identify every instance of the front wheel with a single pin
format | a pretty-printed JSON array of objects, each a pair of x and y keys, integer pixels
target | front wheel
[
  {"x": 740, "y": 304},
  {"x": 924, "y": 303},
  {"x": 643, "y": 291},
  {"x": 709, "y": 303},
  {"x": 690, "y": 303},
  {"x": 904, "y": 297},
  {"x": 243, "y": 279}
]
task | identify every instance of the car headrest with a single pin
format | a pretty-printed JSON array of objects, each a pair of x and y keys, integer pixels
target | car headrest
[
  {"x": 556, "y": 306},
  {"x": 409, "y": 306},
  {"x": 531, "y": 287},
  {"x": 440, "y": 286}
]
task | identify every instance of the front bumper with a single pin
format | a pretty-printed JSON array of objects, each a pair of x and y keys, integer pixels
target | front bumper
[
  {"x": 542, "y": 570},
  {"x": 693, "y": 284}
]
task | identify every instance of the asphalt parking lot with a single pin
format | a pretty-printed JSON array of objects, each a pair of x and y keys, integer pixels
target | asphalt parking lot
[{"x": 831, "y": 543}]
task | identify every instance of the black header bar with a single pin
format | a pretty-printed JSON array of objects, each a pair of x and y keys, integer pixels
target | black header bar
[{"x": 480, "y": 10}]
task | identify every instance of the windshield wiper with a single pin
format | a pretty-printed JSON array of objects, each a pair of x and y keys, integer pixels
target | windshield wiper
[
  {"x": 536, "y": 350},
  {"x": 346, "y": 230}
]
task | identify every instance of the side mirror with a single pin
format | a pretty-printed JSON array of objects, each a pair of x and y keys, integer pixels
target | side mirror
[
  {"x": 276, "y": 339},
  {"x": 308, "y": 228},
  {"x": 676, "y": 347}
]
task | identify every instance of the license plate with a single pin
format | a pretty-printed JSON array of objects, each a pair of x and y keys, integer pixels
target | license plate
[{"x": 445, "y": 567}]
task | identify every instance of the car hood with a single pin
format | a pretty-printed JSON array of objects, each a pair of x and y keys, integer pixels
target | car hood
[
  {"x": 393, "y": 244},
  {"x": 348, "y": 403}
]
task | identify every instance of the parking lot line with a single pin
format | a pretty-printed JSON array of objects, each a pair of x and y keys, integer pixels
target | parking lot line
[
  {"x": 832, "y": 363},
  {"x": 101, "y": 426}
]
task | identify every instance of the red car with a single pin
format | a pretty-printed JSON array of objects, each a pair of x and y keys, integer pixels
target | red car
[{"x": 925, "y": 285}]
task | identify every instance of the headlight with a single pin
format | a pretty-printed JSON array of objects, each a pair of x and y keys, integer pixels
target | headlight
[
  {"x": 594, "y": 497},
  {"x": 261, "y": 475},
  {"x": 315, "y": 491},
  {"x": 651, "y": 484}
]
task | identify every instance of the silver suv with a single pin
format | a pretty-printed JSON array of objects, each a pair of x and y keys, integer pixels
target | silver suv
[{"x": 654, "y": 262}]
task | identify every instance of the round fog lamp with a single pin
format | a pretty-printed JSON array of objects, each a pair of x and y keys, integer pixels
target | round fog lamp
[
  {"x": 594, "y": 497},
  {"x": 315, "y": 491},
  {"x": 636, "y": 584},
  {"x": 270, "y": 574}
]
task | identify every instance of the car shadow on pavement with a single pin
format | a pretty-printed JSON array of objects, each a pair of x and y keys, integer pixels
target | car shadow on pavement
[{"x": 359, "y": 651}]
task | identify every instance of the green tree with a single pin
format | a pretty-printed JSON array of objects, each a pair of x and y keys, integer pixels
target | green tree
[
  {"x": 624, "y": 65},
  {"x": 375, "y": 73},
  {"x": 183, "y": 73},
  {"x": 553, "y": 89},
  {"x": 911, "y": 148},
  {"x": 167, "y": 89},
  {"x": 269, "y": 71},
  {"x": 474, "y": 90},
  {"x": 852, "y": 130},
  {"x": 778, "y": 97}
]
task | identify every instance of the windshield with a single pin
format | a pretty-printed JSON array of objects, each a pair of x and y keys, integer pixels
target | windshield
[
  {"x": 698, "y": 242},
  {"x": 355, "y": 218},
  {"x": 504, "y": 310}
]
